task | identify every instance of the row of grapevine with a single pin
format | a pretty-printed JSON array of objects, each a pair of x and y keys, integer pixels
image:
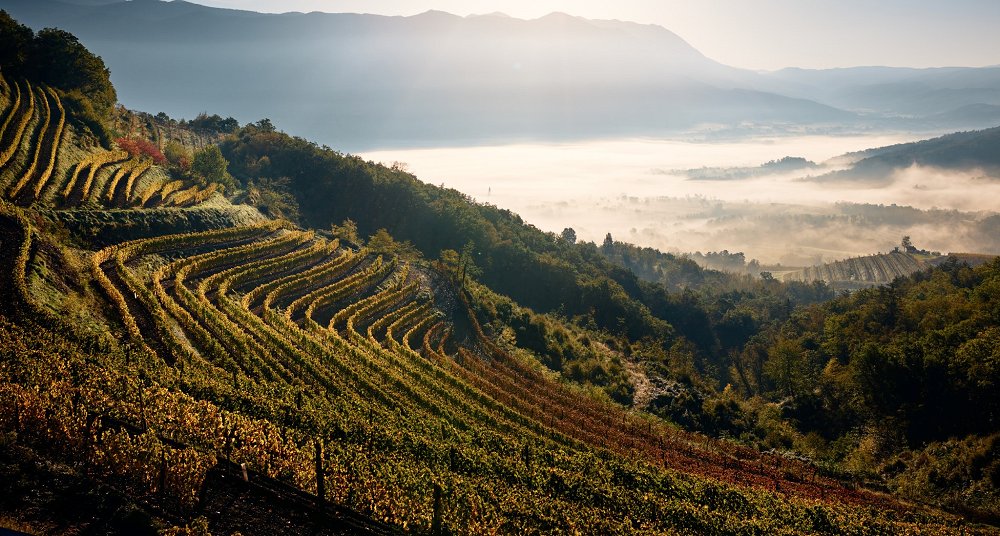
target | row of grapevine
[
  {"x": 193, "y": 195},
  {"x": 91, "y": 165},
  {"x": 38, "y": 145},
  {"x": 138, "y": 167},
  {"x": 253, "y": 325},
  {"x": 294, "y": 343},
  {"x": 22, "y": 118},
  {"x": 22, "y": 253},
  {"x": 273, "y": 291},
  {"x": 5, "y": 93},
  {"x": 11, "y": 111},
  {"x": 163, "y": 190},
  {"x": 326, "y": 296},
  {"x": 875, "y": 269},
  {"x": 16, "y": 261},
  {"x": 228, "y": 333},
  {"x": 41, "y": 144},
  {"x": 122, "y": 253},
  {"x": 166, "y": 310},
  {"x": 54, "y": 142}
]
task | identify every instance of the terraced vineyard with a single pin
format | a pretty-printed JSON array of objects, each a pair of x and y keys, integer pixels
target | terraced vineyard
[
  {"x": 33, "y": 168},
  {"x": 364, "y": 380},
  {"x": 343, "y": 373},
  {"x": 861, "y": 271}
]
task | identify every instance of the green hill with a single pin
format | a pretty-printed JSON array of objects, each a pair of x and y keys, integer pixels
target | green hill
[{"x": 973, "y": 150}]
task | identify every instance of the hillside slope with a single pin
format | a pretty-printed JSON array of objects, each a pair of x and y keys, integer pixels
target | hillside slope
[
  {"x": 861, "y": 271},
  {"x": 170, "y": 361},
  {"x": 332, "y": 370},
  {"x": 961, "y": 151}
]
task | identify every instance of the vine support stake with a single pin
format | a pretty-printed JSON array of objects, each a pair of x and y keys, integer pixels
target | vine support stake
[
  {"x": 320, "y": 484},
  {"x": 436, "y": 523},
  {"x": 163, "y": 474}
]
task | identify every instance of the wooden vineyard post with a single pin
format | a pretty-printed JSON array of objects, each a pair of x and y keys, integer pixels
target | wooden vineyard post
[
  {"x": 436, "y": 523},
  {"x": 142, "y": 408},
  {"x": 230, "y": 435},
  {"x": 320, "y": 484},
  {"x": 163, "y": 474},
  {"x": 243, "y": 467}
]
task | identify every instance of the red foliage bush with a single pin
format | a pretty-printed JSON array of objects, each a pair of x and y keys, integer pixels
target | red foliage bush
[{"x": 142, "y": 148}]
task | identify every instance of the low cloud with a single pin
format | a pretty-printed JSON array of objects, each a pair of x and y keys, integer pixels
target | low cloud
[{"x": 621, "y": 187}]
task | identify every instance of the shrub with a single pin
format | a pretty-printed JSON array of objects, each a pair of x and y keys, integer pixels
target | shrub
[{"x": 136, "y": 147}]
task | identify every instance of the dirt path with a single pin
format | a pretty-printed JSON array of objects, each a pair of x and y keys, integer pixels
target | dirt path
[{"x": 645, "y": 392}]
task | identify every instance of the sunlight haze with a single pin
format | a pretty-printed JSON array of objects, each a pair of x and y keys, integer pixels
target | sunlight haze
[{"x": 764, "y": 35}]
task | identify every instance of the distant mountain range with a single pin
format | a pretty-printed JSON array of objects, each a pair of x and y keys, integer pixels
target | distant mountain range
[{"x": 361, "y": 81}]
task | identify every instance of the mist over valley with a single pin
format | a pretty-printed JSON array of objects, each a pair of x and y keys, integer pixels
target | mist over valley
[{"x": 668, "y": 195}]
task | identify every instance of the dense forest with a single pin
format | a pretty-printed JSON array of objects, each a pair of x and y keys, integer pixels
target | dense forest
[{"x": 208, "y": 326}]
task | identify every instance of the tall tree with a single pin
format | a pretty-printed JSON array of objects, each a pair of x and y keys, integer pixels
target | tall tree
[
  {"x": 15, "y": 41},
  {"x": 58, "y": 59},
  {"x": 569, "y": 235},
  {"x": 210, "y": 166}
]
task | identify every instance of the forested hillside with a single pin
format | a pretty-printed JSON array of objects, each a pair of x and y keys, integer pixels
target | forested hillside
[
  {"x": 912, "y": 368},
  {"x": 267, "y": 336},
  {"x": 973, "y": 150}
]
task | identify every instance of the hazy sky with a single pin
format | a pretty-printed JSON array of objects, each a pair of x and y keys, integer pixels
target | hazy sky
[{"x": 758, "y": 34}]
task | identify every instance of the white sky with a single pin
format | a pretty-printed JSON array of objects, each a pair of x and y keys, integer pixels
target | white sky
[{"x": 757, "y": 34}]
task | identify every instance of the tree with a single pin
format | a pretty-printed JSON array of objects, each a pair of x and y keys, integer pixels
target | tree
[
  {"x": 609, "y": 243},
  {"x": 265, "y": 125},
  {"x": 787, "y": 368},
  {"x": 449, "y": 262},
  {"x": 347, "y": 232},
  {"x": 214, "y": 123},
  {"x": 908, "y": 245},
  {"x": 569, "y": 235},
  {"x": 15, "y": 41},
  {"x": 383, "y": 242},
  {"x": 178, "y": 156},
  {"x": 210, "y": 166},
  {"x": 467, "y": 265},
  {"x": 142, "y": 147},
  {"x": 229, "y": 125},
  {"x": 58, "y": 59},
  {"x": 272, "y": 197}
]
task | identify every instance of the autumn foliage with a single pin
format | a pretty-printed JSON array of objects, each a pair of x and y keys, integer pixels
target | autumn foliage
[{"x": 142, "y": 148}]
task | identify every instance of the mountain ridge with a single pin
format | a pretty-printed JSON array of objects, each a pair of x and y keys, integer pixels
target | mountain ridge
[
  {"x": 438, "y": 78},
  {"x": 372, "y": 81}
]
